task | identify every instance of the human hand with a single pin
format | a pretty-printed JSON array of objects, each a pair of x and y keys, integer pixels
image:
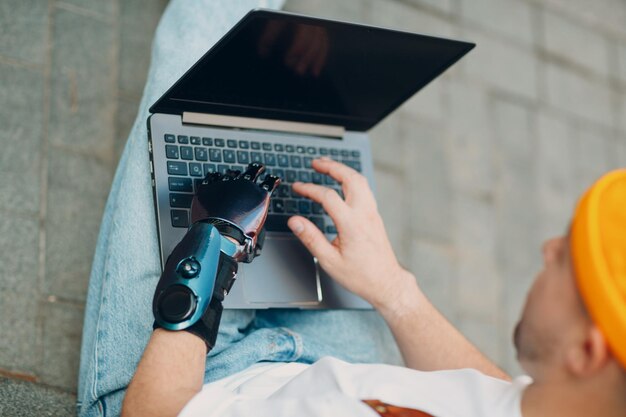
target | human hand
[{"x": 360, "y": 258}]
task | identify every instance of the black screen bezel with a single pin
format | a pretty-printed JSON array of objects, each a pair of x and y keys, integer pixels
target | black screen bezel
[{"x": 169, "y": 105}]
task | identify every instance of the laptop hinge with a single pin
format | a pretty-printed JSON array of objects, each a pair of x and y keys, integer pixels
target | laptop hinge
[{"x": 263, "y": 124}]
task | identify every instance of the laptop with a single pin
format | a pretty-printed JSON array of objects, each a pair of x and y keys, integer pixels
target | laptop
[{"x": 282, "y": 89}]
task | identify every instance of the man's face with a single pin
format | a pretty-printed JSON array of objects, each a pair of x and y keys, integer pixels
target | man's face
[{"x": 552, "y": 315}]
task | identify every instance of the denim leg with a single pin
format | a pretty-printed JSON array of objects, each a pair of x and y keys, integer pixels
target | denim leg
[
  {"x": 358, "y": 336},
  {"x": 126, "y": 268}
]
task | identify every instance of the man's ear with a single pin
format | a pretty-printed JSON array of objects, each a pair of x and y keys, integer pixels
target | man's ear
[{"x": 590, "y": 354}]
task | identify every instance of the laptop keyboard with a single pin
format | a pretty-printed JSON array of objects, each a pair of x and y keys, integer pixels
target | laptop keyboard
[{"x": 190, "y": 158}]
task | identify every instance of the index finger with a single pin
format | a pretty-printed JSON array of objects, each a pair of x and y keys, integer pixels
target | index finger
[{"x": 354, "y": 185}]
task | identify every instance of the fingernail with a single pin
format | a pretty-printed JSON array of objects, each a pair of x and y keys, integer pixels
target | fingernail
[
  {"x": 324, "y": 158},
  {"x": 296, "y": 226}
]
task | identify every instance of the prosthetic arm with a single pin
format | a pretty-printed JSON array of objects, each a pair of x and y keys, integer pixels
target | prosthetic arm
[{"x": 202, "y": 268}]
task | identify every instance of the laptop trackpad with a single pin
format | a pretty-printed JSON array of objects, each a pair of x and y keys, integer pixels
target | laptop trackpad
[{"x": 284, "y": 273}]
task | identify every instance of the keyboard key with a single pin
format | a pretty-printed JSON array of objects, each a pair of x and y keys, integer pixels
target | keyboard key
[
  {"x": 255, "y": 145},
  {"x": 331, "y": 229},
  {"x": 186, "y": 152},
  {"x": 318, "y": 221},
  {"x": 345, "y": 153},
  {"x": 282, "y": 191},
  {"x": 195, "y": 140},
  {"x": 171, "y": 151},
  {"x": 170, "y": 138},
  {"x": 317, "y": 208},
  {"x": 222, "y": 168},
  {"x": 296, "y": 161},
  {"x": 239, "y": 168},
  {"x": 179, "y": 184},
  {"x": 195, "y": 169},
  {"x": 353, "y": 164},
  {"x": 183, "y": 139},
  {"x": 206, "y": 168},
  {"x": 207, "y": 141},
  {"x": 280, "y": 173},
  {"x": 300, "y": 149},
  {"x": 180, "y": 218},
  {"x": 180, "y": 200},
  {"x": 219, "y": 142},
  {"x": 311, "y": 150},
  {"x": 355, "y": 154},
  {"x": 304, "y": 207},
  {"x": 289, "y": 148},
  {"x": 229, "y": 155},
  {"x": 215, "y": 155},
  {"x": 278, "y": 205},
  {"x": 176, "y": 168},
  {"x": 244, "y": 144},
  {"x": 334, "y": 152},
  {"x": 279, "y": 147},
  {"x": 308, "y": 162},
  {"x": 256, "y": 157},
  {"x": 294, "y": 194},
  {"x": 277, "y": 223},
  {"x": 283, "y": 161},
  {"x": 316, "y": 177},
  {"x": 323, "y": 151},
  {"x": 267, "y": 146},
  {"x": 196, "y": 183},
  {"x": 304, "y": 176},
  {"x": 291, "y": 206},
  {"x": 329, "y": 181},
  {"x": 231, "y": 143},
  {"x": 243, "y": 157},
  {"x": 270, "y": 159},
  {"x": 291, "y": 176},
  {"x": 201, "y": 154}
]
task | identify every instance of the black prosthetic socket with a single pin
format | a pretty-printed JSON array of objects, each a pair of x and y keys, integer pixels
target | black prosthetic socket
[
  {"x": 226, "y": 274},
  {"x": 207, "y": 327}
]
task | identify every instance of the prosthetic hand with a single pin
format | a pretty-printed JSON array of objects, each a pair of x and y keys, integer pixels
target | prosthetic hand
[{"x": 202, "y": 268}]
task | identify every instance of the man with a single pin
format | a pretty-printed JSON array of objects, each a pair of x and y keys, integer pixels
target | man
[
  {"x": 570, "y": 338},
  {"x": 266, "y": 354}
]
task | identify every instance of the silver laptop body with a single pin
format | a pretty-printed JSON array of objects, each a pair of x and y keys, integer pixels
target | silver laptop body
[{"x": 186, "y": 143}]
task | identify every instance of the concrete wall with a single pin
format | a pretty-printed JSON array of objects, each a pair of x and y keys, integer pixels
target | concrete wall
[{"x": 472, "y": 173}]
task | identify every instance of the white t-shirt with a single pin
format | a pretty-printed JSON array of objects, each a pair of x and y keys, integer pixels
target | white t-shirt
[{"x": 331, "y": 387}]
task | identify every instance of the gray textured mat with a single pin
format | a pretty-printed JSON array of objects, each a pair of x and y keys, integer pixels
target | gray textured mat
[{"x": 18, "y": 398}]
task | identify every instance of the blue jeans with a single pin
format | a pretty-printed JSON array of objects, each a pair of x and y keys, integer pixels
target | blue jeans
[{"x": 126, "y": 268}]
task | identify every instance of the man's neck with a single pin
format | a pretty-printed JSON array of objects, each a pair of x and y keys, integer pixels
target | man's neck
[{"x": 572, "y": 400}]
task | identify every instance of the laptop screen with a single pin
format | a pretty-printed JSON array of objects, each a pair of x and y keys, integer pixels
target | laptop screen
[{"x": 282, "y": 66}]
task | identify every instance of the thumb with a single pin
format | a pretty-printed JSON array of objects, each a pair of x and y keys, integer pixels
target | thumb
[{"x": 312, "y": 238}]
